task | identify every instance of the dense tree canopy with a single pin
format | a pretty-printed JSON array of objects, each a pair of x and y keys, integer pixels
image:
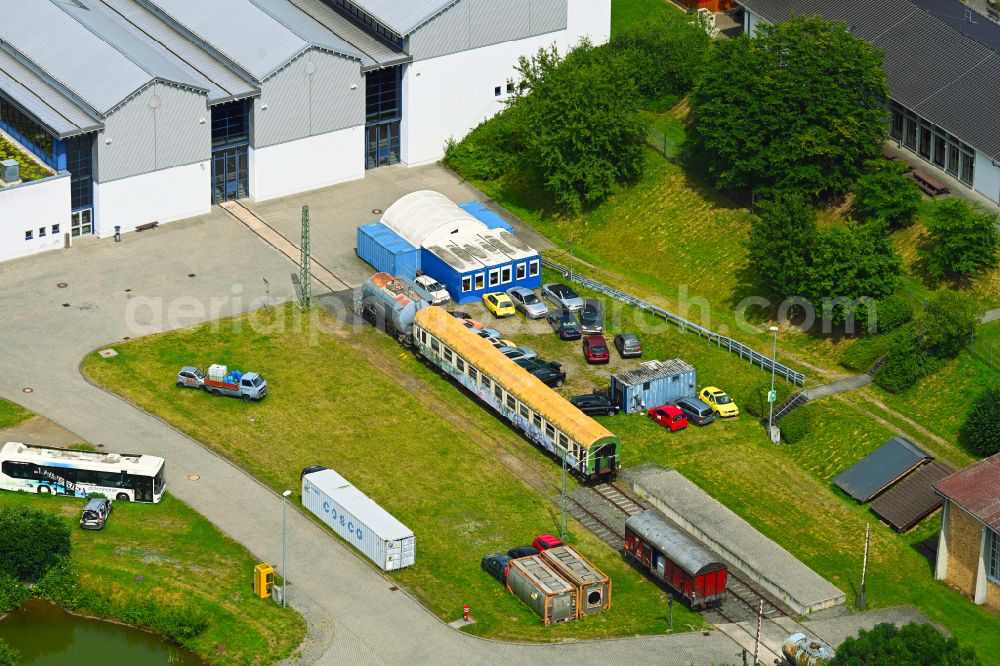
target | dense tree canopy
[
  {"x": 913, "y": 645},
  {"x": 780, "y": 242},
  {"x": 883, "y": 193},
  {"x": 980, "y": 433},
  {"x": 947, "y": 324},
  {"x": 31, "y": 542},
  {"x": 800, "y": 107},
  {"x": 961, "y": 241}
]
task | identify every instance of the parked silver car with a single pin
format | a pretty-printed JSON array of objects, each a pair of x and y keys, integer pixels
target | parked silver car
[
  {"x": 562, "y": 296},
  {"x": 514, "y": 353},
  {"x": 95, "y": 514},
  {"x": 528, "y": 302}
]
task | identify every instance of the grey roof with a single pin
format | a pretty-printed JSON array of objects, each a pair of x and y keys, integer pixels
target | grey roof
[
  {"x": 195, "y": 61},
  {"x": 653, "y": 370},
  {"x": 259, "y": 36},
  {"x": 49, "y": 106},
  {"x": 880, "y": 469},
  {"x": 376, "y": 52},
  {"x": 933, "y": 69},
  {"x": 953, "y": 12},
  {"x": 101, "y": 70},
  {"x": 672, "y": 542},
  {"x": 404, "y": 17}
]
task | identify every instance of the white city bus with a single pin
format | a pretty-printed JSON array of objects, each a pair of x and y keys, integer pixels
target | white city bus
[{"x": 44, "y": 470}]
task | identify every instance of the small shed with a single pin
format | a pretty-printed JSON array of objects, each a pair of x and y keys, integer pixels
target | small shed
[
  {"x": 386, "y": 251},
  {"x": 873, "y": 474},
  {"x": 912, "y": 499},
  {"x": 486, "y": 216},
  {"x": 652, "y": 384}
]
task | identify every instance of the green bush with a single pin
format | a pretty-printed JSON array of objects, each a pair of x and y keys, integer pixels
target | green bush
[
  {"x": 796, "y": 425},
  {"x": 490, "y": 150},
  {"x": 12, "y": 592},
  {"x": 884, "y": 193},
  {"x": 947, "y": 325},
  {"x": 892, "y": 312},
  {"x": 913, "y": 645},
  {"x": 31, "y": 541},
  {"x": 980, "y": 433},
  {"x": 961, "y": 242},
  {"x": 905, "y": 366},
  {"x": 8, "y": 655}
]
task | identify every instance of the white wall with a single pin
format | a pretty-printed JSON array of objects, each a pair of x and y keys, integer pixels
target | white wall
[
  {"x": 986, "y": 179},
  {"x": 448, "y": 96},
  {"x": 31, "y": 206},
  {"x": 750, "y": 22},
  {"x": 162, "y": 196},
  {"x": 307, "y": 164}
]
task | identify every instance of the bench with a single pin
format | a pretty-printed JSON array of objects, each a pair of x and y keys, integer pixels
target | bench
[
  {"x": 928, "y": 184},
  {"x": 148, "y": 225}
]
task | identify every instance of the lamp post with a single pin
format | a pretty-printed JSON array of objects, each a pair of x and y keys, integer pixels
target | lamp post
[
  {"x": 771, "y": 396},
  {"x": 284, "y": 548}
]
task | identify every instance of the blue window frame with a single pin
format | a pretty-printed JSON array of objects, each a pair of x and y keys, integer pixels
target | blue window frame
[
  {"x": 366, "y": 20},
  {"x": 383, "y": 111},
  {"x": 993, "y": 555},
  {"x": 80, "y": 164},
  {"x": 28, "y": 133},
  {"x": 230, "y": 124}
]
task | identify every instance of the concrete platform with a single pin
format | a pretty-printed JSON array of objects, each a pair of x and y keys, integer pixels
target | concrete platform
[{"x": 763, "y": 562}]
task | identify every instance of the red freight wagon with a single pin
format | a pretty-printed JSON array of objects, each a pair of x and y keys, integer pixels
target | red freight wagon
[{"x": 673, "y": 557}]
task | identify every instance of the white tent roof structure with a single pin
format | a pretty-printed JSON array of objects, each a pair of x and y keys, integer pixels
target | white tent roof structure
[{"x": 427, "y": 218}]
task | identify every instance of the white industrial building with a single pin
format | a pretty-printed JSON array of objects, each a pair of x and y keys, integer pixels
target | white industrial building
[{"x": 154, "y": 110}]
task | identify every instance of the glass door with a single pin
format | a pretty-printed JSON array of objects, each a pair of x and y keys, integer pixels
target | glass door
[
  {"x": 81, "y": 222},
  {"x": 230, "y": 174}
]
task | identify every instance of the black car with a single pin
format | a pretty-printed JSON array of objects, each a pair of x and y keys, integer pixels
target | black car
[
  {"x": 592, "y": 317},
  {"x": 564, "y": 324},
  {"x": 697, "y": 411},
  {"x": 628, "y": 345},
  {"x": 594, "y": 404},
  {"x": 496, "y": 566},
  {"x": 550, "y": 372},
  {"x": 522, "y": 551}
]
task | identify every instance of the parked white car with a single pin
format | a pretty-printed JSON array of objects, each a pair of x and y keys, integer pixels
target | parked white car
[{"x": 434, "y": 291}]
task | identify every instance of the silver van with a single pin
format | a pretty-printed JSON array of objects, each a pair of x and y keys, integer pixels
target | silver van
[
  {"x": 95, "y": 514},
  {"x": 697, "y": 411}
]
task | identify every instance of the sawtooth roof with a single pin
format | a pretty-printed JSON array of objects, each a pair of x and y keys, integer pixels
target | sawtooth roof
[
  {"x": 40, "y": 99},
  {"x": 404, "y": 17}
]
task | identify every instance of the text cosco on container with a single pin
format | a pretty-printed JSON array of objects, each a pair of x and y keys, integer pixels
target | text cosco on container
[{"x": 343, "y": 521}]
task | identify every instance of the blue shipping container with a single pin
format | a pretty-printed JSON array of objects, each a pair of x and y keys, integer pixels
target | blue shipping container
[
  {"x": 463, "y": 285},
  {"x": 486, "y": 216},
  {"x": 386, "y": 251},
  {"x": 652, "y": 384}
]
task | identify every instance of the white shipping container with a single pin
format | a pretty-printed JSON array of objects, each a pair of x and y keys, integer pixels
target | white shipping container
[{"x": 359, "y": 520}]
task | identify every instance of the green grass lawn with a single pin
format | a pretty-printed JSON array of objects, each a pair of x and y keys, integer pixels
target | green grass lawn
[
  {"x": 628, "y": 13},
  {"x": 356, "y": 402},
  {"x": 12, "y": 415},
  {"x": 169, "y": 553}
]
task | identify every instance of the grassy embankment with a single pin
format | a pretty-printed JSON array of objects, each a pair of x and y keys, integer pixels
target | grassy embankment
[
  {"x": 12, "y": 415},
  {"x": 412, "y": 441}
]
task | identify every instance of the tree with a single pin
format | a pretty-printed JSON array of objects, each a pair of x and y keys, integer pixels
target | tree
[
  {"x": 663, "y": 55},
  {"x": 980, "y": 433},
  {"x": 779, "y": 243},
  {"x": 581, "y": 123},
  {"x": 884, "y": 193},
  {"x": 961, "y": 241},
  {"x": 8, "y": 655},
  {"x": 947, "y": 324},
  {"x": 913, "y": 645},
  {"x": 800, "y": 107},
  {"x": 31, "y": 542},
  {"x": 848, "y": 263}
]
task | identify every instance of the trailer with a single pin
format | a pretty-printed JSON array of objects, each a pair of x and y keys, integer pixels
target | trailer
[
  {"x": 390, "y": 304},
  {"x": 358, "y": 519},
  {"x": 220, "y": 380},
  {"x": 539, "y": 586},
  {"x": 652, "y": 384},
  {"x": 593, "y": 587}
]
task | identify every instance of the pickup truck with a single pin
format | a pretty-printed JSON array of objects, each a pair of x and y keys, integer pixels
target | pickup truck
[{"x": 249, "y": 386}]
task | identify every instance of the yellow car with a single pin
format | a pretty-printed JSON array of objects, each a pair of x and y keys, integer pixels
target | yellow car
[
  {"x": 499, "y": 304},
  {"x": 720, "y": 403}
]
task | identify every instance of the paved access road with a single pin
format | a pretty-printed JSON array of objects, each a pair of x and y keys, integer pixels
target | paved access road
[{"x": 353, "y": 615}]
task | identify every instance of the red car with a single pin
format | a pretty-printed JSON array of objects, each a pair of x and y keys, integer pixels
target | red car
[
  {"x": 669, "y": 416},
  {"x": 595, "y": 349},
  {"x": 546, "y": 541}
]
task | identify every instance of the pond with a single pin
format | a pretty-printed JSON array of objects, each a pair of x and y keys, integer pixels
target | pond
[{"x": 46, "y": 635}]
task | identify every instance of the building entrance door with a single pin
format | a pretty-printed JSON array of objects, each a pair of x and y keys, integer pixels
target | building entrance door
[
  {"x": 230, "y": 174},
  {"x": 81, "y": 222},
  {"x": 382, "y": 145}
]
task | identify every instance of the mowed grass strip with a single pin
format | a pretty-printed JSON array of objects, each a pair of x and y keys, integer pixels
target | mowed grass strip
[
  {"x": 168, "y": 552},
  {"x": 12, "y": 415},
  {"x": 339, "y": 400}
]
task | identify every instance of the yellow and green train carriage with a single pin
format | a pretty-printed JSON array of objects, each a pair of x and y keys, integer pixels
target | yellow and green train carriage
[{"x": 546, "y": 418}]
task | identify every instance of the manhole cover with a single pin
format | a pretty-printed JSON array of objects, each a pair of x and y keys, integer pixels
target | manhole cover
[
  {"x": 126, "y": 338},
  {"x": 128, "y": 290},
  {"x": 62, "y": 285},
  {"x": 376, "y": 211},
  {"x": 194, "y": 477},
  {"x": 27, "y": 389},
  {"x": 393, "y": 588},
  {"x": 107, "y": 353},
  {"x": 190, "y": 274},
  {"x": 100, "y": 446},
  {"x": 65, "y": 305}
]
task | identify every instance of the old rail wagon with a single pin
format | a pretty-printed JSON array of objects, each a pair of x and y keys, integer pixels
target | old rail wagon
[
  {"x": 546, "y": 592},
  {"x": 674, "y": 558},
  {"x": 544, "y": 416},
  {"x": 593, "y": 587}
]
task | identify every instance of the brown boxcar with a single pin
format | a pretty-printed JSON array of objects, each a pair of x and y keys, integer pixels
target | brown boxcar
[
  {"x": 542, "y": 588},
  {"x": 674, "y": 558},
  {"x": 593, "y": 587}
]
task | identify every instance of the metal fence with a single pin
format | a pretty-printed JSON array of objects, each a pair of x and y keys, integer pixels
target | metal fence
[{"x": 721, "y": 341}]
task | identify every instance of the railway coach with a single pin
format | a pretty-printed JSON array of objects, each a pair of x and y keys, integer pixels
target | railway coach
[
  {"x": 674, "y": 558},
  {"x": 546, "y": 418}
]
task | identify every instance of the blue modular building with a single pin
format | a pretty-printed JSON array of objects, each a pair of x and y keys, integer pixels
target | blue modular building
[
  {"x": 486, "y": 216},
  {"x": 427, "y": 231}
]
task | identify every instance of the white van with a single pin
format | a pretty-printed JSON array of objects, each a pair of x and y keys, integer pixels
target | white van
[{"x": 431, "y": 290}]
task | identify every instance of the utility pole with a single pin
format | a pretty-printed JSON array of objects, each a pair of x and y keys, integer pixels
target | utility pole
[
  {"x": 756, "y": 640},
  {"x": 565, "y": 528},
  {"x": 771, "y": 396},
  {"x": 284, "y": 549},
  {"x": 862, "y": 599},
  {"x": 305, "y": 276}
]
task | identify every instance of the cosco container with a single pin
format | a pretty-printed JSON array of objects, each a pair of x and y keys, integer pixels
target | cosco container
[
  {"x": 359, "y": 520},
  {"x": 542, "y": 589},
  {"x": 387, "y": 251},
  {"x": 593, "y": 587}
]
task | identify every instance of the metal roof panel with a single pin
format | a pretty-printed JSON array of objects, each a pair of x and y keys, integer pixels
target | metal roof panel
[
  {"x": 880, "y": 469},
  {"x": 36, "y": 96},
  {"x": 913, "y": 498},
  {"x": 404, "y": 17},
  {"x": 671, "y": 541}
]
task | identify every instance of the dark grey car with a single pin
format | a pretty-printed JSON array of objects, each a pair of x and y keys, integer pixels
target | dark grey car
[
  {"x": 592, "y": 317},
  {"x": 628, "y": 345},
  {"x": 697, "y": 411},
  {"x": 496, "y": 566}
]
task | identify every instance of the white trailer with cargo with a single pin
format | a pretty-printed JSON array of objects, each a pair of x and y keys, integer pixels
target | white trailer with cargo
[{"x": 358, "y": 519}]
